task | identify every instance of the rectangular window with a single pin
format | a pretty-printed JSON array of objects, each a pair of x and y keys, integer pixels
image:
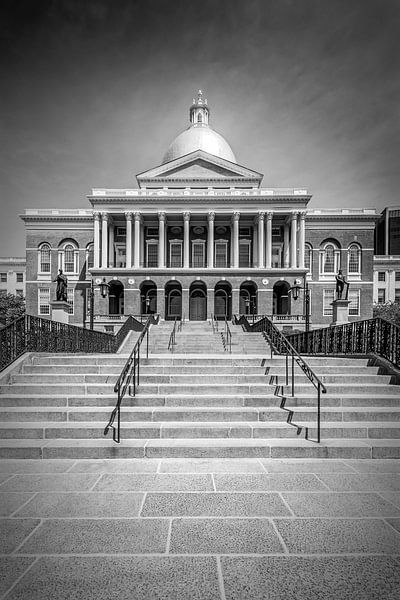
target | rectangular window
[
  {"x": 44, "y": 301},
  {"x": 70, "y": 300},
  {"x": 20, "y": 277},
  {"x": 69, "y": 260},
  {"x": 354, "y": 306},
  {"x": 198, "y": 255},
  {"x": 3, "y": 293},
  {"x": 221, "y": 254},
  {"x": 120, "y": 257},
  {"x": 244, "y": 254},
  {"x": 397, "y": 295},
  {"x": 3, "y": 277},
  {"x": 175, "y": 254},
  {"x": 19, "y": 292},
  {"x": 381, "y": 276},
  {"x": 381, "y": 295},
  {"x": 276, "y": 257},
  {"x": 397, "y": 275},
  {"x": 328, "y": 298},
  {"x": 152, "y": 254}
]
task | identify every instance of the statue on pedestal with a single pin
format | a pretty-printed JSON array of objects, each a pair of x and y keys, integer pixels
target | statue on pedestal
[
  {"x": 340, "y": 283},
  {"x": 61, "y": 290}
]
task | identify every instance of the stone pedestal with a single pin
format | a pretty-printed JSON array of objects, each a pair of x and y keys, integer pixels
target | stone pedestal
[
  {"x": 340, "y": 312},
  {"x": 59, "y": 311}
]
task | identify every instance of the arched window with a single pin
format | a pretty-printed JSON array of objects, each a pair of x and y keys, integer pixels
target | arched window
[
  {"x": 329, "y": 259},
  {"x": 308, "y": 258},
  {"x": 69, "y": 263},
  {"x": 199, "y": 118},
  {"x": 90, "y": 256},
  {"x": 44, "y": 258},
  {"x": 354, "y": 259},
  {"x": 68, "y": 257}
]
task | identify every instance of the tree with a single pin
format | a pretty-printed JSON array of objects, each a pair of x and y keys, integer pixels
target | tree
[
  {"x": 389, "y": 311},
  {"x": 11, "y": 308}
]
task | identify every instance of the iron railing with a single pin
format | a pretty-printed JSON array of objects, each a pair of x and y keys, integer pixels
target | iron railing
[
  {"x": 214, "y": 323},
  {"x": 35, "y": 334},
  {"x": 369, "y": 337},
  {"x": 280, "y": 345},
  {"x": 172, "y": 337},
  {"x": 129, "y": 379},
  {"x": 226, "y": 337},
  {"x": 181, "y": 323}
]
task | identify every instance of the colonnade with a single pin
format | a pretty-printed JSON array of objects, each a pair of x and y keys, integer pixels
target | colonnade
[{"x": 293, "y": 239}]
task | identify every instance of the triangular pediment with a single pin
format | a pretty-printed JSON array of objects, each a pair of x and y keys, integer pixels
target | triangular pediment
[{"x": 199, "y": 169}]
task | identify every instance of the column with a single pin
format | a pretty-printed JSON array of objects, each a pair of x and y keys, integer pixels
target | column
[
  {"x": 138, "y": 219},
  {"x": 286, "y": 256},
  {"x": 268, "y": 241},
  {"x": 261, "y": 216},
  {"x": 111, "y": 244},
  {"x": 210, "y": 242},
  {"x": 293, "y": 240},
  {"x": 128, "y": 249},
  {"x": 186, "y": 246},
  {"x": 96, "y": 240},
  {"x": 161, "y": 240},
  {"x": 141, "y": 251},
  {"x": 302, "y": 239},
  {"x": 236, "y": 217},
  {"x": 255, "y": 244},
  {"x": 104, "y": 240}
]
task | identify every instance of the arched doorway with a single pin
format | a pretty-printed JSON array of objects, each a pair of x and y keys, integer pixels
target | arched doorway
[
  {"x": 148, "y": 298},
  {"x": 116, "y": 298},
  {"x": 173, "y": 300},
  {"x": 248, "y": 298},
  {"x": 198, "y": 301},
  {"x": 281, "y": 305},
  {"x": 223, "y": 300}
]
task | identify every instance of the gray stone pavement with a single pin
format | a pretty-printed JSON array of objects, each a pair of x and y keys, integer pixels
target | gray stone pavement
[{"x": 223, "y": 529}]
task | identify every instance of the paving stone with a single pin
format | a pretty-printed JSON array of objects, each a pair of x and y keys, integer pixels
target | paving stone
[
  {"x": 297, "y": 465},
  {"x": 268, "y": 482},
  {"x": 93, "y": 536},
  {"x": 223, "y": 536},
  {"x": 393, "y": 497},
  {"x": 210, "y": 465},
  {"x": 155, "y": 482},
  {"x": 57, "y": 482},
  {"x": 83, "y": 504},
  {"x": 13, "y": 532},
  {"x": 310, "y": 578},
  {"x": 347, "y": 504},
  {"x": 122, "y": 578},
  {"x": 35, "y": 466},
  {"x": 330, "y": 536},
  {"x": 361, "y": 482},
  {"x": 10, "y": 501},
  {"x": 4, "y": 477},
  {"x": 214, "y": 505},
  {"x": 116, "y": 465},
  {"x": 11, "y": 568},
  {"x": 375, "y": 466},
  {"x": 394, "y": 523}
]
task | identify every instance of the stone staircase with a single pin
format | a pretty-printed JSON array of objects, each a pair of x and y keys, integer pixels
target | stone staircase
[{"x": 196, "y": 402}]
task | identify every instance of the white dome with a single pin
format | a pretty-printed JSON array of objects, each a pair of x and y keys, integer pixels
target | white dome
[{"x": 199, "y": 137}]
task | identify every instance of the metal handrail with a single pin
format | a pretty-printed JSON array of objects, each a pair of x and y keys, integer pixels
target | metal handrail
[
  {"x": 172, "y": 337},
  {"x": 130, "y": 376},
  {"x": 227, "y": 337},
  {"x": 281, "y": 345},
  {"x": 375, "y": 336},
  {"x": 181, "y": 323},
  {"x": 35, "y": 334},
  {"x": 214, "y": 323}
]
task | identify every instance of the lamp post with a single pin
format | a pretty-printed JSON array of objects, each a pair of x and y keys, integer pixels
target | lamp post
[
  {"x": 104, "y": 290},
  {"x": 295, "y": 294}
]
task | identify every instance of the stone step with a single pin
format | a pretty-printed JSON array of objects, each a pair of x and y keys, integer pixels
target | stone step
[
  {"x": 200, "y": 448},
  {"x": 179, "y": 430}
]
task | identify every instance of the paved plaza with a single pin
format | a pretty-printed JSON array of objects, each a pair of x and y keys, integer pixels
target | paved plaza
[{"x": 223, "y": 529}]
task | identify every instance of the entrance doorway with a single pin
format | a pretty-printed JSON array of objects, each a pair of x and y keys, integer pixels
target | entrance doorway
[
  {"x": 223, "y": 300},
  {"x": 173, "y": 300},
  {"x": 248, "y": 298},
  {"x": 198, "y": 301},
  {"x": 281, "y": 305},
  {"x": 148, "y": 298},
  {"x": 116, "y": 298}
]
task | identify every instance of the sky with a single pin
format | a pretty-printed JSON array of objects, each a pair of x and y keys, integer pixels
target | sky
[{"x": 94, "y": 91}]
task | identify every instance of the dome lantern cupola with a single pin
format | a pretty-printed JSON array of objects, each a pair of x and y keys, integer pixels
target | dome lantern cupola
[
  {"x": 199, "y": 135},
  {"x": 199, "y": 111}
]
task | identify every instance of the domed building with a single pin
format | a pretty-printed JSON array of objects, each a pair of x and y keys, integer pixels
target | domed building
[{"x": 198, "y": 236}]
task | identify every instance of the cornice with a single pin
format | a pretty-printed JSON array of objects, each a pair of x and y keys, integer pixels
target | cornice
[
  {"x": 56, "y": 218},
  {"x": 228, "y": 199}
]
